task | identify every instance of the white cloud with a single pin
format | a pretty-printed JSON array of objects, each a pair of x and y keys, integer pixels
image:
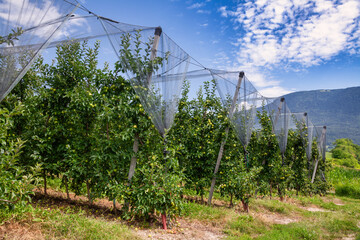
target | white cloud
[
  {"x": 261, "y": 78},
  {"x": 290, "y": 35},
  {"x": 28, "y": 14},
  {"x": 204, "y": 25},
  {"x": 196, "y": 5},
  {"x": 275, "y": 91},
  {"x": 203, "y": 11},
  {"x": 305, "y": 32},
  {"x": 223, "y": 11}
]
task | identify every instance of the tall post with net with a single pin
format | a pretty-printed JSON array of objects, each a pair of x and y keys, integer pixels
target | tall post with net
[
  {"x": 158, "y": 32},
  {"x": 320, "y": 143},
  {"x": 221, "y": 151}
]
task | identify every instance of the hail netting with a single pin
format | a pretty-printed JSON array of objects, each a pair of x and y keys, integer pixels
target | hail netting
[
  {"x": 310, "y": 132},
  {"x": 156, "y": 67},
  {"x": 247, "y": 102},
  {"x": 27, "y": 26},
  {"x": 302, "y": 123},
  {"x": 280, "y": 118},
  {"x": 321, "y": 140}
]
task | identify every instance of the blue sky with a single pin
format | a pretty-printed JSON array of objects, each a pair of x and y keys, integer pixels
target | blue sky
[{"x": 282, "y": 45}]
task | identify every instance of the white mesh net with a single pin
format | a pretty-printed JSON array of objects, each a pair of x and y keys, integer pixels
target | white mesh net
[
  {"x": 321, "y": 141},
  {"x": 156, "y": 67},
  {"x": 248, "y": 100},
  {"x": 27, "y": 26},
  {"x": 280, "y": 118}
]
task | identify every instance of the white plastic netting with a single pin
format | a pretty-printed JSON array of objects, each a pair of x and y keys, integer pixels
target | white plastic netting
[
  {"x": 247, "y": 101},
  {"x": 27, "y": 27},
  {"x": 156, "y": 67},
  {"x": 280, "y": 118},
  {"x": 309, "y": 137},
  {"x": 154, "y": 63},
  {"x": 321, "y": 141}
]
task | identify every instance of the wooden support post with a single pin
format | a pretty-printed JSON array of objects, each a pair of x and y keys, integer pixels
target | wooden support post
[
  {"x": 133, "y": 158},
  {"x": 232, "y": 108},
  {"x": 282, "y": 100},
  {"x": 323, "y": 135},
  {"x": 278, "y": 113},
  {"x": 155, "y": 46},
  {"x": 157, "y": 34},
  {"x": 322, "y": 139},
  {"x": 314, "y": 172}
]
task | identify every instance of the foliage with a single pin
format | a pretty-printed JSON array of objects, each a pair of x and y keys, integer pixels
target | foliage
[
  {"x": 346, "y": 153},
  {"x": 15, "y": 183},
  {"x": 264, "y": 153},
  {"x": 346, "y": 181},
  {"x": 9, "y": 39},
  {"x": 241, "y": 183},
  {"x": 201, "y": 121},
  {"x": 80, "y": 122},
  {"x": 156, "y": 188}
]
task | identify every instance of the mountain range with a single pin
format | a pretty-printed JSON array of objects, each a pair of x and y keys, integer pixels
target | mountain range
[{"x": 338, "y": 109}]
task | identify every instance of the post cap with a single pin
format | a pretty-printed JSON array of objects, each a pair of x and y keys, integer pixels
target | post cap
[
  {"x": 305, "y": 114},
  {"x": 282, "y": 99},
  {"x": 324, "y": 127},
  {"x": 241, "y": 74},
  {"x": 158, "y": 31}
]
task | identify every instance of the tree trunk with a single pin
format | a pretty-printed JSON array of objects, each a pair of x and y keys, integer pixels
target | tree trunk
[
  {"x": 280, "y": 194},
  {"x": 245, "y": 206},
  {"x": 45, "y": 184},
  {"x": 67, "y": 187},
  {"x": 114, "y": 203},
  {"x": 163, "y": 218},
  {"x": 231, "y": 201},
  {"x": 88, "y": 192}
]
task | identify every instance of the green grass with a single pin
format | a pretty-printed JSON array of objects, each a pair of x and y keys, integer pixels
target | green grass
[
  {"x": 68, "y": 224},
  {"x": 207, "y": 213},
  {"x": 346, "y": 181},
  {"x": 319, "y": 201},
  {"x": 78, "y": 226},
  {"x": 273, "y": 205},
  {"x": 291, "y": 231},
  {"x": 244, "y": 226}
]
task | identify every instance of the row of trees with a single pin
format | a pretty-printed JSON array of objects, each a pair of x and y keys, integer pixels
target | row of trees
[{"x": 78, "y": 122}]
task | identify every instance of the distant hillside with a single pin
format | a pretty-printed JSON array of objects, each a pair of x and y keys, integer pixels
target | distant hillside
[{"x": 338, "y": 109}]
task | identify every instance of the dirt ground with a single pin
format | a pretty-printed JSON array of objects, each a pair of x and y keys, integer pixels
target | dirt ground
[
  {"x": 20, "y": 231},
  {"x": 181, "y": 229}
]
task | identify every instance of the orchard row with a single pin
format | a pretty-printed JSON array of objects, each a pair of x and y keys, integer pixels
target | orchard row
[{"x": 84, "y": 124}]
